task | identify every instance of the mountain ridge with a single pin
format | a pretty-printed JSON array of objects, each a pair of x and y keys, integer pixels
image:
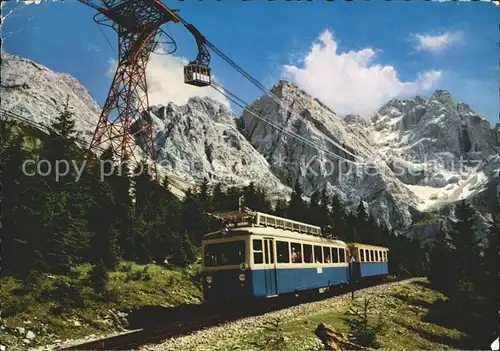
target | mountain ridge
[{"x": 201, "y": 140}]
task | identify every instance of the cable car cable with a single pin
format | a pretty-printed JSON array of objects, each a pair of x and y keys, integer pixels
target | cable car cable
[
  {"x": 281, "y": 129},
  {"x": 251, "y": 78},
  {"x": 231, "y": 96}
]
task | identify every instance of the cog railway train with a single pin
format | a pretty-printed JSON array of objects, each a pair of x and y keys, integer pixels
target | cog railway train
[{"x": 258, "y": 255}]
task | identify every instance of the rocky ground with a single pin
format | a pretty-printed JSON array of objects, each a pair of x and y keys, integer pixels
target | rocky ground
[{"x": 401, "y": 308}]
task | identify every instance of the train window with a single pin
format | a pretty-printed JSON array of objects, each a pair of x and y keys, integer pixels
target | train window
[
  {"x": 318, "y": 254},
  {"x": 361, "y": 255},
  {"x": 376, "y": 255},
  {"x": 225, "y": 254},
  {"x": 308, "y": 254},
  {"x": 327, "y": 254},
  {"x": 335, "y": 255},
  {"x": 342, "y": 255},
  {"x": 283, "y": 251},
  {"x": 270, "y": 249},
  {"x": 372, "y": 256},
  {"x": 296, "y": 253},
  {"x": 258, "y": 256}
]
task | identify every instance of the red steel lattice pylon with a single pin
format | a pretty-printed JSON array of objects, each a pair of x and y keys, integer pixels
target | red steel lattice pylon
[{"x": 125, "y": 122}]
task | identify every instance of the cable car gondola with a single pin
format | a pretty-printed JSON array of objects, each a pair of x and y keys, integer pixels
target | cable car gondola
[
  {"x": 197, "y": 75},
  {"x": 197, "y": 72}
]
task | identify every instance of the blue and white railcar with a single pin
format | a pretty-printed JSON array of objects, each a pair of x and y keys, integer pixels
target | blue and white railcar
[
  {"x": 369, "y": 261},
  {"x": 267, "y": 256}
]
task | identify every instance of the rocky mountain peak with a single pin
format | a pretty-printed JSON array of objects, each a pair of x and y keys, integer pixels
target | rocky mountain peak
[
  {"x": 443, "y": 97},
  {"x": 37, "y": 93},
  {"x": 405, "y": 161}
]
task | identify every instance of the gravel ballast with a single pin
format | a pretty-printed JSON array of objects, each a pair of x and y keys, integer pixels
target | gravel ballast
[{"x": 217, "y": 338}]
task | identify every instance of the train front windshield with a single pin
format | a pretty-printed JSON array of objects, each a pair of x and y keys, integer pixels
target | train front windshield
[{"x": 225, "y": 254}]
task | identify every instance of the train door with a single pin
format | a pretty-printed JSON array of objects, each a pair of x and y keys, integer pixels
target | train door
[
  {"x": 354, "y": 264},
  {"x": 270, "y": 268}
]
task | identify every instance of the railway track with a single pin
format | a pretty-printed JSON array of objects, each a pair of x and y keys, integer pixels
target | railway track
[
  {"x": 138, "y": 338},
  {"x": 206, "y": 318}
]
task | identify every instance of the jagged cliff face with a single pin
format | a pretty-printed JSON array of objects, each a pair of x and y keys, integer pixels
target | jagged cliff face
[
  {"x": 34, "y": 91},
  {"x": 414, "y": 156},
  {"x": 442, "y": 150},
  {"x": 200, "y": 140},
  {"x": 422, "y": 154},
  {"x": 314, "y": 166},
  {"x": 196, "y": 141}
]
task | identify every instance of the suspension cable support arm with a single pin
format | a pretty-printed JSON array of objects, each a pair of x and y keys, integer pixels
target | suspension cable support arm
[
  {"x": 90, "y": 3},
  {"x": 203, "y": 57}
]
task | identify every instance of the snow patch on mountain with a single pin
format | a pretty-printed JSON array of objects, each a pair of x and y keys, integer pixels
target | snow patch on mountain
[
  {"x": 442, "y": 150},
  {"x": 318, "y": 166}
]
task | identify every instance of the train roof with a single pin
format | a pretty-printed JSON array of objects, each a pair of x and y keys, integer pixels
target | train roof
[
  {"x": 366, "y": 246},
  {"x": 274, "y": 232},
  {"x": 245, "y": 217}
]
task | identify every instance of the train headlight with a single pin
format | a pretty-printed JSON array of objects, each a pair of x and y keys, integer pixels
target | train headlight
[
  {"x": 209, "y": 279},
  {"x": 242, "y": 277}
]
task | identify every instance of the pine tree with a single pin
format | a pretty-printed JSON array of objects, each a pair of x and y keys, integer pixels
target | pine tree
[
  {"x": 99, "y": 277},
  {"x": 362, "y": 223},
  {"x": 120, "y": 184},
  {"x": 195, "y": 218},
  {"x": 143, "y": 188},
  {"x": 491, "y": 283},
  {"x": 219, "y": 199},
  {"x": 297, "y": 208},
  {"x": 203, "y": 195},
  {"x": 338, "y": 218},
  {"x": 325, "y": 214},
  {"x": 362, "y": 330},
  {"x": 168, "y": 238},
  {"x": 61, "y": 144},
  {"x": 66, "y": 199},
  {"x": 314, "y": 213},
  {"x": 350, "y": 224},
  {"x": 102, "y": 217},
  {"x": 280, "y": 208},
  {"x": 19, "y": 200},
  {"x": 465, "y": 261},
  {"x": 255, "y": 198}
]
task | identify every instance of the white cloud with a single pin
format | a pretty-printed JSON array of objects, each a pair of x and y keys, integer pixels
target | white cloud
[
  {"x": 93, "y": 48},
  {"x": 436, "y": 43},
  {"x": 350, "y": 82},
  {"x": 165, "y": 77}
]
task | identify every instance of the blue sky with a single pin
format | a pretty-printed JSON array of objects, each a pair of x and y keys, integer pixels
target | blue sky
[{"x": 354, "y": 56}]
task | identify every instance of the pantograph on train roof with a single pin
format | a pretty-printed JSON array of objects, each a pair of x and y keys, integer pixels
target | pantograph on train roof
[{"x": 245, "y": 217}]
